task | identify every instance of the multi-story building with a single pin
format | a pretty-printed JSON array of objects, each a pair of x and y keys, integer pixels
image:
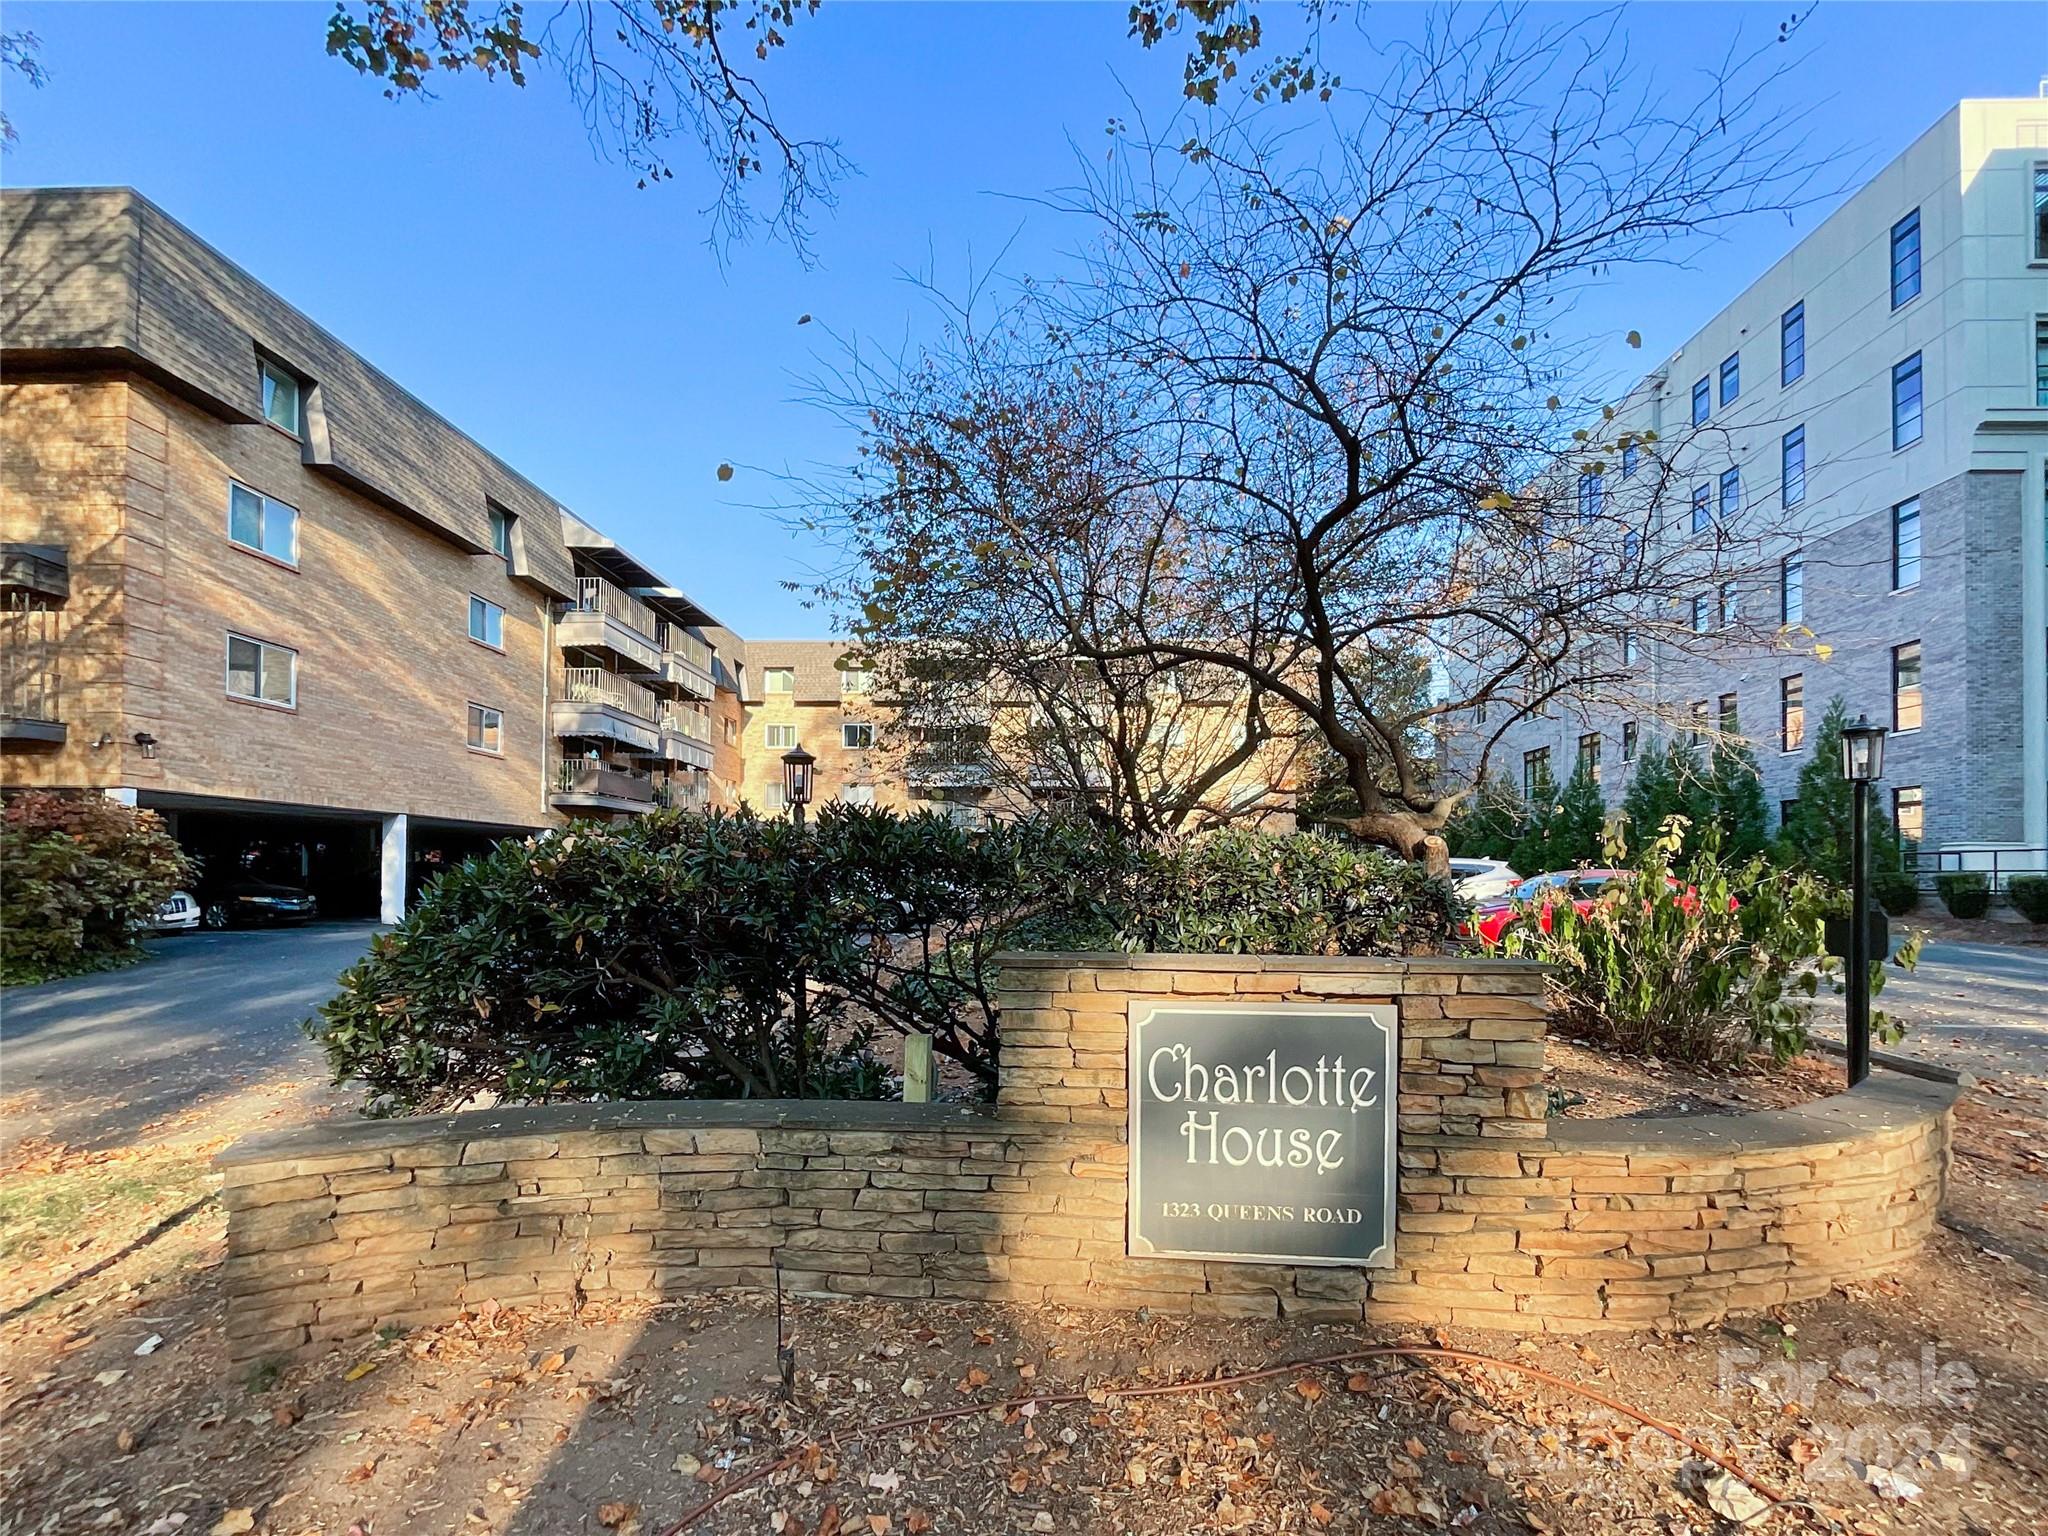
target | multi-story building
[
  {"x": 251, "y": 583},
  {"x": 816, "y": 694},
  {"x": 1876, "y": 405}
]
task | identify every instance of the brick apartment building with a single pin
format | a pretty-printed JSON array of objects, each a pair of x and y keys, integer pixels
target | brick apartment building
[
  {"x": 1879, "y": 409},
  {"x": 249, "y": 582}
]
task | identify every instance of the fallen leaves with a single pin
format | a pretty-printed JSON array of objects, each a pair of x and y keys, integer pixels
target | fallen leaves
[
  {"x": 235, "y": 1522},
  {"x": 358, "y": 1371}
]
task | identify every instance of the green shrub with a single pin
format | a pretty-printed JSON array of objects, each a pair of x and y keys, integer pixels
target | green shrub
[
  {"x": 1727, "y": 955},
  {"x": 78, "y": 872},
  {"x": 659, "y": 957},
  {"x": 1965, "y": 894},
  {"x": 2030, "y": 894},
  {"x": 1896, "y": 891}
]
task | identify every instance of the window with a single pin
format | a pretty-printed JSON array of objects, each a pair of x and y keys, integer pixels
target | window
[
  {"x": 1479, "y": 713},
  {"x": 1591, "y": 493},
  {"x": 1589, "y": 755},
  {"x": 1906, "y": 259},
  {"x": 1792, "y": 590},
  {"x": 486, "y": 622},
  {"x": 1787, "y": 809},
  {"x": 263, "y": 673},
  {"x": 501, "y": 530},
  {"x": 1731, "y": 378},
  {"x": 1792, "y": 343},
  {"x": 771, "y": 798},
  {"x": 1535, "y": 772},
  {"x": 1906, "y": 686},
  {"x": 856, "y": 737},
  {"x": 1906, "y": 403},
  {"x": 486, "y": 729},
  {"x": 268, "y": 527},
  {"x": 1792, "y": 466},
  {"x": 281, "y": 398},
  {"x": 778, "y": 738},
  {"x": 1726, "y": 604},
  {"x": 1906, "y": 545},
  {"x": 1702, "y": 507},
  {"x": 1729, "y": 714},
  {"x": 1628, "y": 741},
  {"x": 1909, "y": 812},
  {"x": 1698, "y": 712},
  {"x": 1731, "y": 495},
  {"x": 1702, "y": 614},
  {"x": 1792, "y": 712},
  {"x": 1629, "y": 648},
  {"x": 732, "y": 731},
  {"x": 778, "y": 680},
  {"x": 856, "y": 680},
  {"x": 1702, "y": 402},
  {"x": 2041, "y": 210},
  {"x": 857, "y": 794},
  {"x": 1631, "y": 547},
  {"x": 2041, "y": 362},
  {"x": 1629, "y": 455}
]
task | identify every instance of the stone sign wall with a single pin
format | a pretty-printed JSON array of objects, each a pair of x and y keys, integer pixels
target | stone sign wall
[{"x": 1504, "y": 1218}]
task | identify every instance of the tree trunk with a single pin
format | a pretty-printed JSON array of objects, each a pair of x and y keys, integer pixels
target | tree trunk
[{"x": 1404, "y": 833}]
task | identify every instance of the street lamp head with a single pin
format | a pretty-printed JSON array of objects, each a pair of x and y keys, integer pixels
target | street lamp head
[
  {"x": 1862, "y": 751},
  {"x": 796, "y": 776}
]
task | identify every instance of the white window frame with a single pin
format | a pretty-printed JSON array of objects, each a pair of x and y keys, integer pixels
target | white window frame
[
  {"x": 478, "y": 724},
  {"x": 263, "y": 648},
  {"x": 501, "y": 531},
  {"x": 849, "y": 729},
  {"x": 489, "y": 608},
  {"x": 772, "y": 730},
  {"x": 769, "y": 676},
  {"x": 268, "y": 375},
  {"x": 264, "y": 506},
  {"x": 856, "y": 680}
]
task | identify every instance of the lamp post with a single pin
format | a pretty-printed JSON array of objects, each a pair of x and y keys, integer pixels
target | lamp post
[
  {"x": 1862, "y": 766},
  {"x": 796, "y": 792}
]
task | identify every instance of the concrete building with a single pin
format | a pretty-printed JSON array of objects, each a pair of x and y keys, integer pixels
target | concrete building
[
  {"x": 249, "y": 582},
  {"x": 1879, "y": 406}
]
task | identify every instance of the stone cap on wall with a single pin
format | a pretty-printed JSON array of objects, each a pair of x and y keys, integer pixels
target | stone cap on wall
[
  {"x": 1889, "y": 1102},
  {"x": 637, "y": 1115},
  {"x": 1392, "y": 965}
]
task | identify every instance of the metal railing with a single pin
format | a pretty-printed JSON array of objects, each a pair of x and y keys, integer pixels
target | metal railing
[
  {"x": 685, "y": 721},
  {"x": 596, "y": 595},
  {"x": 589, "y": 776},
  {"x": 1999, "y": 863},
  {"x": 30, "y": 675},
  {"x": 594, "y": 685},
  {"x": 675, "y": 638}
]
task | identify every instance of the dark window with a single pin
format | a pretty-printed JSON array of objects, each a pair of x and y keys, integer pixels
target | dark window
[
  {"x": 1726, "y": 603},
  {"x": 1731, "y": 495},
  {"x": 1698, "y": 733},
  {"x": 1535, "y": 771},
  {"x": 1702, "y": 401},
  {"x": 1628, "y": 742},
  {"x": 1792, "y": 344},
  {"x": 1702, "y": 507},
  {"x": 1906, "y": 703},
  {"x": 1787, "y": 809},
  {"x": 1729, "y": 714},
  {"x": 1906, "y": 259},
  {"x": 1906, "y": 423},
  {"x": 1589, "y": 755},
  {"x": 2041, "y": 211},
  {"x": 1792, "y": 590},
  {"x": 857, "y": 736},
  {"x": 1792, "y": 713},
  {"x": 1628, "y": 460},
  {"x": 1731, "y": 378},
  {"x": 1792, "y": 465},
  {"x": 2041, "y": 362},
  {"x": 1906, "y": 545}
]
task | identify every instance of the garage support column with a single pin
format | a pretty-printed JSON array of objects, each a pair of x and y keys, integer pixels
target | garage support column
[{"x": 391, "y": 903}]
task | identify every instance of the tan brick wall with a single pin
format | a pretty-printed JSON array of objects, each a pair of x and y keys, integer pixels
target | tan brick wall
[
  {"x": 377, "y": 610},
  {"x": 818, "y": 730},
  {"x": 1504, "y": 1221}
]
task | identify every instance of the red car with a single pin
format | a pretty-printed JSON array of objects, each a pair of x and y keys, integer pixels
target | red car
[{"x": 1582, "y": 887}]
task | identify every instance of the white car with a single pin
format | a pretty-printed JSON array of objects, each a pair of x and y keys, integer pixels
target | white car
[
  {"x": 1483, "y": 879},
  {"x": 179, "y": 914}
]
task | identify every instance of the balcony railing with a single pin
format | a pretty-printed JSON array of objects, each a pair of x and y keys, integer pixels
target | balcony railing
[
  {"x": 596, "y": 595},
  {"x": 685, "y": 721},
  {"x": 612, "y": 781},
  {"x": 29, "y": 670},
  {"x": 594, "y": 685},
  {"x": 678, "y": 640}
]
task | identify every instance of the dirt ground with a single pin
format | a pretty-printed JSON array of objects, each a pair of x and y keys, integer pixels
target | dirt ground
[{"x": 1918, "y": 1404}]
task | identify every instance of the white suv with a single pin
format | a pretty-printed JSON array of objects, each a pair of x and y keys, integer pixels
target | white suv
[{"x": 1483, "y": 879}]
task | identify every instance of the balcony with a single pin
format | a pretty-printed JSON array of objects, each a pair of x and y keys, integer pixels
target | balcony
[
  {"x": 597, "y": 703},
  {"x": 928, "y": 770},
  {"x": 685, "y": 660},
  {"x": 582, "y": 784},
  {"x": 685, "y": 734},
  {"x": 607, "y": 618},
  {"x": 31, "y": 717}
]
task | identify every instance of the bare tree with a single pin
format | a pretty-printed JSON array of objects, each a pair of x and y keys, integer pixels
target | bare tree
[{"x": 1311, "y": 408}]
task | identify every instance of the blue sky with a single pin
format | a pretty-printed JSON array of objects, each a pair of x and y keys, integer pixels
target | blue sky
[{"x": 476, "y": 249}]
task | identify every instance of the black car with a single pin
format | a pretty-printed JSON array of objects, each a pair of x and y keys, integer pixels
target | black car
[{"x": 246, "y": 902}]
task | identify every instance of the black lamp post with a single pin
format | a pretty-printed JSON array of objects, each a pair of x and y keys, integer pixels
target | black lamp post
[
  {"x": 796, "y": 780},
  {"x": 1862, "y": 766}
]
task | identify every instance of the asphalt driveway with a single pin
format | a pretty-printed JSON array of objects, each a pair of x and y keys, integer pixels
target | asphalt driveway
[
  {"x": 1982, "y": 1008},
  {"x": 98, "y": 1061}
]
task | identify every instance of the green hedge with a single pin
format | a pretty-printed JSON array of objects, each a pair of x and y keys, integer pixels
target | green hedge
[
  {"x": 659, "y": 957},
  {"x": 1896, "y": 891},
  {"x": 2030, "y": 894},
  {"x": 1967, "y": 894}
]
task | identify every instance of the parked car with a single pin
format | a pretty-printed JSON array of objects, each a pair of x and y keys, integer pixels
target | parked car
[
  {"x": 1580, "y": 886},
  {"x": 178, "y": 914},
  {"x": 1483, "y": 880},
  {"x": 243, "y": 901}
]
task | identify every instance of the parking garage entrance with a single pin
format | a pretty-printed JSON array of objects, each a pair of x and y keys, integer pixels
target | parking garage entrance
[{"x": 334, "y": 858}]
